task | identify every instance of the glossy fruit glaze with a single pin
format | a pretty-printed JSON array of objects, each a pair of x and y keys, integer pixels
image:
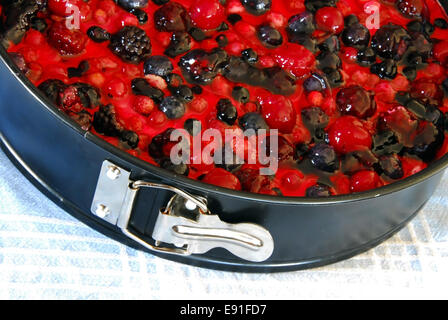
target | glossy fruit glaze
[{"x": 354, "y": 110}]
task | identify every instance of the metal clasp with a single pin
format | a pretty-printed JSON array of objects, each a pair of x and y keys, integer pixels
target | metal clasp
[{"x": 184, "y": 227}]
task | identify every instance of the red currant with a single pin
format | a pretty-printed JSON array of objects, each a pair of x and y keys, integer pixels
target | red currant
[
  {"x": 347, "y": 134},
  {"x": 207, "y": 14}
]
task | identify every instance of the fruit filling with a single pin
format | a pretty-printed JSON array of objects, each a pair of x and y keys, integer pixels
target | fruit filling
[{"x": 354, "y": 93}]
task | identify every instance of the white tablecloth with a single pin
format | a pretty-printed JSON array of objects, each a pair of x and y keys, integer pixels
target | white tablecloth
[{"x": 47, "y": 254}]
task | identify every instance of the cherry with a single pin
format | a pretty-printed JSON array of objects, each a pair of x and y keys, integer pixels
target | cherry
[
  {"x": 222, "y": 178},
  {"x": 410, "y": 8},
  {"x": 330, "y": 19},
  {"x": 295, "y": 58},
  {"x": 356, "y": 101},
  {"x": 425, "y": 89},
  {"x": 347, "y": 134},
  {"x": 207, "y": 14},
  {"x": 63, "y": 8},
  {"x": 279, "y": 113},
  {"x": 66, "y": 41},
  {"x": 364, "y": 180}
]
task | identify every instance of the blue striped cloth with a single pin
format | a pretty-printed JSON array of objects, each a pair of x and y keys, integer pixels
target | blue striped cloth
[{"x": 47, "y": 254}]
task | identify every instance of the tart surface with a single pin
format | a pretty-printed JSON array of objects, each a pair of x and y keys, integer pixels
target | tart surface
[{"x": 354, "y": 92}]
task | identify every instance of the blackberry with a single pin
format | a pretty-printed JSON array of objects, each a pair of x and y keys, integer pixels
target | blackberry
[
  {"x": 181, "y": 168},
  {"x": 38, "y": 24},
  {"x": 184, "y": 93},
  {"x": 158, "y": 65},
  {"x": 19, "y": 61},
  {"x": 105, "y": 121},
  {"x": 391, "y": 41},
  {"x": 231, "y": 162},
  {"x": 386, "y": 142},
  {"x": 356, "y": 35},
  {"x": 131, "y": 44},
  {"x": 132, "y": 4},
  {"x": 427, "y": 141},
  {"x": 253, "y": 121},
  {"x": 83, "y": 119},
  {"x": 173, "y": 80},
  {"x": 269, "y": 36},
  {"x": 89, "y": 96},
  {"x": 250, "y": 56},
  {"x": 141, "y": 15},
  {"x": 78, "y": 72},
  {"x": 172, "y": 107},
  {"x": 323, "y": 157},
  {"x": 226, "y": 111},
  {"x": 410, "y": 73},
  {"x": 193, "y": 126},
  {"x": 179, "y": 44},
  {"x": 314, "y": 5},
  {"x": 156, "y": 148},
  {"x": 391, "y": 166},
  {"x": 385, "y": 70},
  {"x": 130, "y": 138},
  {"x": 197, "y": 89},
  {"x": 330, "y": 44},
  {"x": 302, "y": 23},
  {"x": 351, "y": 20},
  {"x": 223, "y": 27},
  {"x": 172, "y": 17},
  {"x": 302, "y": 150},
  {"x": 366, "y": 57},
  {"x": 257, "y": 7},
  {"x": 329, "y": 61},
  {"x": 141, "y": 87},
  {"x": 334, "y": 78},
  {"x": 160, "y": 2},
  {"x": 201, "y": 67},
  {"x": 15, "y": 19},
  {"x": 240, "y": 94},
  {"x": 222, "y": 40},
  {"x": 304, "y": 40},
  {"x": 51, "y": 88},
  {"x": 314, "y": 118},
  {"x": 197, "y": 34},
  {"x": 441, "y": 23},
  {"x": 319, "y": 190},
  {"x": 234, "y": 18}
]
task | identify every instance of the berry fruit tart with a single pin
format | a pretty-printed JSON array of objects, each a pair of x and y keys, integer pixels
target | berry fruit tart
[{"x": 355, "y": 91}]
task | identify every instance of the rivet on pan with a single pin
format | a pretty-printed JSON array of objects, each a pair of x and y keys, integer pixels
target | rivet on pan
[
  {"x": 102, "y": 211},
  {"x": 113, "y": 172}
]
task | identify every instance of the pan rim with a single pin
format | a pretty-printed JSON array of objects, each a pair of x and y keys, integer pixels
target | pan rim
[{"x": 432, "y": 169}]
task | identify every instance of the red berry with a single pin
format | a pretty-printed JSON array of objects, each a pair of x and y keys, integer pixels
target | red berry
[
  {"x": 143, "y": 105},
  {"x": 66, "y": 41},
  {"x": 63, "y": 8},
  {"x": 295, "y": 58},
  {"x": 426, "y": 89},
  {"x": 222, "y": 178},
  {"x": 330, "y": 19},
  {"x": 363, "y": 181},
  {"x": 356, "y": 101},
  {"x": 279, "y": 113},
  {"x": 207, "y": 14},
  {"x": 347, "y": 134},
  {"x": 116, "y": 88},
  {"x": 410, "y": 8}
]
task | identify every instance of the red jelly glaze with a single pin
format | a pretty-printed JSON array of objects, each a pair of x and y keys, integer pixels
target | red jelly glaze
[{"x": 50, "y": 54}]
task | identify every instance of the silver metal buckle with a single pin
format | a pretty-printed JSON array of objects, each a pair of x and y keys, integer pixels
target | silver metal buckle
[{"x": 185, "y": 223}]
